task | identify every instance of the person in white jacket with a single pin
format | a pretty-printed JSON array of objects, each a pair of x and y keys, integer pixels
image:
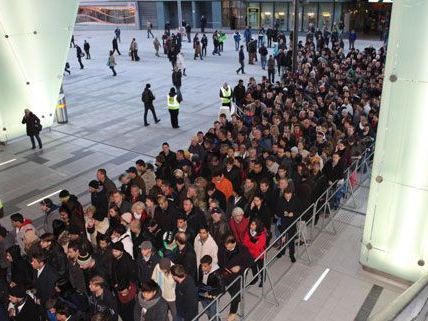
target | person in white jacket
[
  {"x": 205, "y": 245},
  {"x": 179, "y": 63},
  {"x": 163, "y": 277},
  {"x": 121, "y": 234}
]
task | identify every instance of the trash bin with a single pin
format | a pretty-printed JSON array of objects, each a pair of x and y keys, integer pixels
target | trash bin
[{"x": 61, "y": 109}]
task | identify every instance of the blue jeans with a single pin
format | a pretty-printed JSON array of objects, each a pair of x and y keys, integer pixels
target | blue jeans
[
  {"x": 236, "y": 45},
  {"x": 211, "y": 310},
  {"x": 263, "y": 61}
]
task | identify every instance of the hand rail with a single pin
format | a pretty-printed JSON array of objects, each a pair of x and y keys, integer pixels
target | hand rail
[{"x": 323, "y": 199}]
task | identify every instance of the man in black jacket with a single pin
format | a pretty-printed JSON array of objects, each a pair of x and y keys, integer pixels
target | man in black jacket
[
  {"x": 101, "y": 299},
  {"x": 123, "y": 268},
  {"x": 147, "y": 261},
  {"x": 79, "y": 55},
  {"x": 147, "y": 98},
  {"x": 45, "y": 277},
  {"x": 185, "y": 255},
  {"x": 233, "y": 260},
  {"x": 24, "y": 307},
  {"x": 98, "y": 198},
  {"x": 195, "y": 217},
  {"x": 239, "y": 92},
  {"x": 287, "y": 212},
  {"x": 186, "y": 294},
  {"x": 210, "y": 284},
  {"x": 241, "y": 58}
]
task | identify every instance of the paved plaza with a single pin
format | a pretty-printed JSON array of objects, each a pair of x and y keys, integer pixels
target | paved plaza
[{"x": 105, "y": 127}]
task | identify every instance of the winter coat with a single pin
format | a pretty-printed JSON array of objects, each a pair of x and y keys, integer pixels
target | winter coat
[
  {"x": 239, "y": 256},
  {"x": 165, "y": 282},
  {"x": 239, "y": 230},
  {"x": 57, "y": 259},
  {"x": 187, "y": 258},
  {"x": 50, "y": 216},
  {"x": 209, "y": 247},
  {"x": 179, "y": 63},
  {"x": 21, "y": 270},
  {"x": 123, "y": 270},
  {"x": 32, "y": 123},
  {"x": 146, "y": 268},
  {"x": 186, "y": 294},
  {"x": 255, "y": 244},
  {"x": 154, "y": 310},
  {"x": 214, "y": 285}
]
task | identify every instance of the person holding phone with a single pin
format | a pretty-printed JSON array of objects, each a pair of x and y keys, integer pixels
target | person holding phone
[{"x": 34, "y": 127}]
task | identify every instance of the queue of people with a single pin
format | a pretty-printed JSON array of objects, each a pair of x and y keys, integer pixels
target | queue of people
[{"x": 169, "y": 235}]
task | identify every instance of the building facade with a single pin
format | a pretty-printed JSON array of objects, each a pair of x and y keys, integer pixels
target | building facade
[{"x": 236, "y": 14}]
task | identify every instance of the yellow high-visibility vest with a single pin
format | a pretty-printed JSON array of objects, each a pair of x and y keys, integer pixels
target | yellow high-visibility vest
[
  {"x": 227, "y": 94},
  {"x": 173, "y": 103}
]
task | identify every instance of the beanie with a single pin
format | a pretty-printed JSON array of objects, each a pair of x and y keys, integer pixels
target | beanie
[{"x": 118, "y": 246}]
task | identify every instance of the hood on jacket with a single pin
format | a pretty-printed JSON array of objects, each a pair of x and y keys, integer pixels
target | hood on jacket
[{"x": 15, "y": 252}]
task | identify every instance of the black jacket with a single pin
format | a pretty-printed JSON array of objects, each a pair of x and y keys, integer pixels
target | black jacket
[
  {"x": 186, "y": 300},
  {"x": 263, "y": 213},
  {"x": 106, "y": 304},
  {"x": 294, "y": 206},
  {"x": 123, "y": 270},
  {"x": 157, "y": 311},
  {"x": 147, "y": 97},
  {"x": 58, "y": 259},
  {"x": 30, "y": 311},
  {"x": 100, "y": 201},
  {"x": 196, "y": 219},
  {"x": 21, "y": 270},
  {"x": 242, "y": 203},
  {"x": 32, "y": 123},
  {"x": 145, "y": 268},
  {"x": 187, "y": 258},
  {"x": 229, "y": 259},
  {"x": 214, "y": 286},
  {"x": 167, "y": 219},
  {"x": 45, "y": 283},
  {"x": 176, "y": 78}
]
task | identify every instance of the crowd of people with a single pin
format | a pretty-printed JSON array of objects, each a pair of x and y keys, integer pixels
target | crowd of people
[{"x": 169, "y": 235}]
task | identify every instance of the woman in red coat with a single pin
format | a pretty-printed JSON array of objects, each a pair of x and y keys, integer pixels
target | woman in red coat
[{"x": 255, "y": 242}]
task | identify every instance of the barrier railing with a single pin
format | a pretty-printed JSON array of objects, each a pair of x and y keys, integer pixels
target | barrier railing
[{"x": 305, "y": 230}]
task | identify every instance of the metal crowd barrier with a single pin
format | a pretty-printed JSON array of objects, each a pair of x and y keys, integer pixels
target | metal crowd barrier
[{"x": 323, "y": 210}]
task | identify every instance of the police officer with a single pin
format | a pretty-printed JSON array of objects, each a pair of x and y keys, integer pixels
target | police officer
[
  {"x": 226, "y": 96},
  {"x": 173, "y": 101}
]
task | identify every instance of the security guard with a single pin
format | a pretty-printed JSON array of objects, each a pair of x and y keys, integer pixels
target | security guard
[
  {"x": 226, "y": 96},
  {"x": 173, "y": 101}
]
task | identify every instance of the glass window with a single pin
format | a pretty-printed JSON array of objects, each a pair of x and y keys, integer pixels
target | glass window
[
  {"x": 266, "y": 15},
  {"x": 326, "y": 15},
  {"x": 281, "y": 15},
  {"x": 291, "y": 25},
  {"x": 253, "y": 15},
  {"x": 310, "y": 16},
  {"x": 116, "y": 15}
]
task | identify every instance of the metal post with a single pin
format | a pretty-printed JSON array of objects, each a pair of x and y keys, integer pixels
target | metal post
[
  {"x": 180, "y": 14},
  {"x": 295, "y": 33}
]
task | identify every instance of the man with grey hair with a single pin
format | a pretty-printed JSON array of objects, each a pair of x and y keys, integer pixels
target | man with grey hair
[{"x": 238, "y": 224}]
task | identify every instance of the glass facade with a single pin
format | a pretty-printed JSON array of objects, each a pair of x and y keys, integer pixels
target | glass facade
[
  {"x": 317, "y": 13},
  {"x": 233, "y": 14},
  {"x": 116, "y": 15},
  {"x": 310, "y": 16},
  {"x": 266, "y": 14}
]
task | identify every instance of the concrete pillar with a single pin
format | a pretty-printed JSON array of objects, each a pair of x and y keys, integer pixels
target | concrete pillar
[
  {"x": 395, "y": 239},
  {"x": 216, "y": 14},
  {"x": 193, "y": 14}
]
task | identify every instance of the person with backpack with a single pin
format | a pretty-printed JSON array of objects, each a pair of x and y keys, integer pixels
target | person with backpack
[{"x": 147, "y": 98}]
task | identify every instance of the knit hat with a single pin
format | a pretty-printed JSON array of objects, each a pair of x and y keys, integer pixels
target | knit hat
[
  {"x": 84, "y": 259},
  {"x": 98, "y": 216},
  {"x": 74, "y": 230},
  {"x": 165, "y": 263},
  {"x": 17, "y": 292},
  {"x": 146, "y": 245},
  {"x": 126, "y": 217},
  {"x": 118, "y": 246}
]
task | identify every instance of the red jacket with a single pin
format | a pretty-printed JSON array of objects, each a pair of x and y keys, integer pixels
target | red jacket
[
  {"x": 255, "y": 245},
  {"x": 239, "y": 230}
]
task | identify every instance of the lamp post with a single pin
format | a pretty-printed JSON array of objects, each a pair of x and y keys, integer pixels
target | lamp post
[{"x": 295, "y": 33}]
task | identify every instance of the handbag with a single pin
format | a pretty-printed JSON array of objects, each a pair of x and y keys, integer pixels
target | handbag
[{"x": 38, "y": 127}]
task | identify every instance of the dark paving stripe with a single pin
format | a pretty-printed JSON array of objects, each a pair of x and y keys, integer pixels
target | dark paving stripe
[
  {"x": 369, "y": 303},
  {"x": 37, "y": 159},
  {"x": 77, "y": 155}
]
